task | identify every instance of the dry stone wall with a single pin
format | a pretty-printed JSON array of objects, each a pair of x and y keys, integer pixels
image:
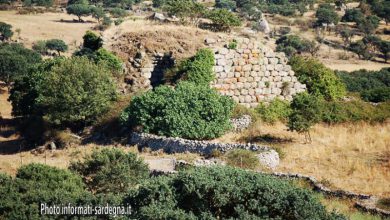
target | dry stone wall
[{"x": 252, "y": 73}]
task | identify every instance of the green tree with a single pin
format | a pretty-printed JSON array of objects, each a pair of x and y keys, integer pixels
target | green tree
[
  {"x": 111, "y": 170},
  {"x": 326, "y": 14},
  {"x": 319, "y": 79},
  {"x": 98, "y": 13},
  {"x": 74, "y": 92},
  {"x": 224, "y": 19},
  {"x": 25, "y": 90},
  {"x": 188, "y": 111},
  {"x": 353, "y": 15},
  {"x": 227, "y": 4},
  {"x": 57, "y": 45},
  {"x": 35, "y": 184},
  {"x": 80, "y": 10},
  {"x": 185, "y": 9},
  {"x": 118, "y": 13},
  {"x": 384, "y": 48},
  {"x": 368, "y": 25},
  {"x": 92, "y": 41},
  {"x": 199, "y": 69},
  {"x": 5, "y": 31},
  {"x": 224, "y": 193},
  {"x": 306, "y": 112},
  {"x": 15, "y": 61}
]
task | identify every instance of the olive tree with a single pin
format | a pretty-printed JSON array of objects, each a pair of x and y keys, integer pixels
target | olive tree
[{"x": 57, "y": 45}]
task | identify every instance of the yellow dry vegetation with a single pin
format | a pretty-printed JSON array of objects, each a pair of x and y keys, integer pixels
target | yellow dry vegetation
[{"x": 353, "y": 157}]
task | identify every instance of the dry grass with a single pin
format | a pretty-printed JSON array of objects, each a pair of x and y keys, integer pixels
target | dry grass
[
  {"x": 353, "y": 157},
  {"x": 45, "y": 26}
]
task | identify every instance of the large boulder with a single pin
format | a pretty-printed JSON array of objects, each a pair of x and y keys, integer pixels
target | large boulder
[{"x": 269, "y": 159}]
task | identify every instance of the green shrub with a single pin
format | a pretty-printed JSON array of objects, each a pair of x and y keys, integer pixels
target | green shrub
[
  {"x": 5, "y": 31},
  {"x": 227, "y": 4},
  {"x": 326, "y": 14},
  {"x": 118, "y": 13},
  {"x": 189, "y": 111},
  {"x": 233, "y": 44},
  {"x": 241, "y": 158},
  {"x": 199, "y": 69},
  {"x": 305, "y": 112},
  {"x": 319, "y": 79},
  {"x": 376, "y": 95},
  {"x": 187, "y": 10},
  {"x": 276, "y": 110},
  {"x": 241, "y": 110},
  {"x": 293, "y": 44},
  {"x": 223, "y": 193},
  {"x": 224, "y": 19},
  {"x": 35, "y": 184},
  {"x": 40, "y": 47},
  {"x": 92, "y": 41},
  {"x": 15, "y": 61},
  {"x": 353, "y": 15},
  {"x": 111, "y": 170},
  {"x": 109, "y": 59}
]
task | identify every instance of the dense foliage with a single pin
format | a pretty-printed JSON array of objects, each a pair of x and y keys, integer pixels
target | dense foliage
[
  {"x": 276, "y": 110},
  {"x": 76, "y": 91},
  {"x": 44, "y": 3},
  {"x": 293, "y": 44},
  {"x": 319, "y": 79},
  {"x": 15, "y": 61},
  {"x": 305, "y": 112},
  {"x": 34, "y": 184},
  {"x": 111, "y": 170},
  {"x": 223, "y": 193},
  {"x": 373, "y": 85},
  {"x": 199, "y": 68},
  {"x": 224, "y": 19},
  {"x": 56, "y": 45},
  {"x": 80, "y": 9},
  {"x": 5, "y": 31},
  {"x": 189, "y": 111},
  {"x": 326, "y": 14},
  {"x": 65, "y": 91}
]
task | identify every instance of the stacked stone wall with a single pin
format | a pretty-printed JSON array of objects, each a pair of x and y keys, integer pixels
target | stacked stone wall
[{"x": 252, "y": 73}]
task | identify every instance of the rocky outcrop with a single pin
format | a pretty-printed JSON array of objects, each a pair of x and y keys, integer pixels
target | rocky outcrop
[{"x": 241, "y": 123}]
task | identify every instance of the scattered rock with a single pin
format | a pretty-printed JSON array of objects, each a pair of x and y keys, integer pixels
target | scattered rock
[{"x": 270, "y": 159}]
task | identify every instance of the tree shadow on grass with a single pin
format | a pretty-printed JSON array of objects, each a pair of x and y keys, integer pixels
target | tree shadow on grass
[{"x": 267, "y": 139}]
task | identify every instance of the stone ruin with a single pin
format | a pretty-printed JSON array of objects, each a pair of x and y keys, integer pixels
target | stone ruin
[{"x": 250, "y": 73}]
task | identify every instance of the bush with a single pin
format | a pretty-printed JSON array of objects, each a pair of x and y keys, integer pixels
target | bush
[
  {"x": 186, "y": 10},
  {"x": 223, "y": 193},
  {"x": 5, "y": 31},
  {"x": 15, "y": 61},
  {"x": 305, "y": 112},
  {"x": 362, "y": 80},
  {"x": 241, "y": 158},
  {"x": 293, "y": 44},
  {"x": 353, "y": 15},
  {"x": 376, "y": 95},
  {"x": 227, "y": 4},
  {"x": 35, "y": 184},
  {"x": 118, "y": 13},
  {"x": 197, "y": 69},
  {"x": 319, "y": 79},
  {"x": 109, "y": 59},
  {"x": 224, "y": 19},
  {"x": 75, "y": 92},
  {"x": 353, "y": 111},
  {"x": 276, "y": 110},
  {"x": 92, "y": 41},
  {"x": 188, "y": 111},
  {"x": 40, "y": 47},
  {"x": 111, "y": 170}
]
